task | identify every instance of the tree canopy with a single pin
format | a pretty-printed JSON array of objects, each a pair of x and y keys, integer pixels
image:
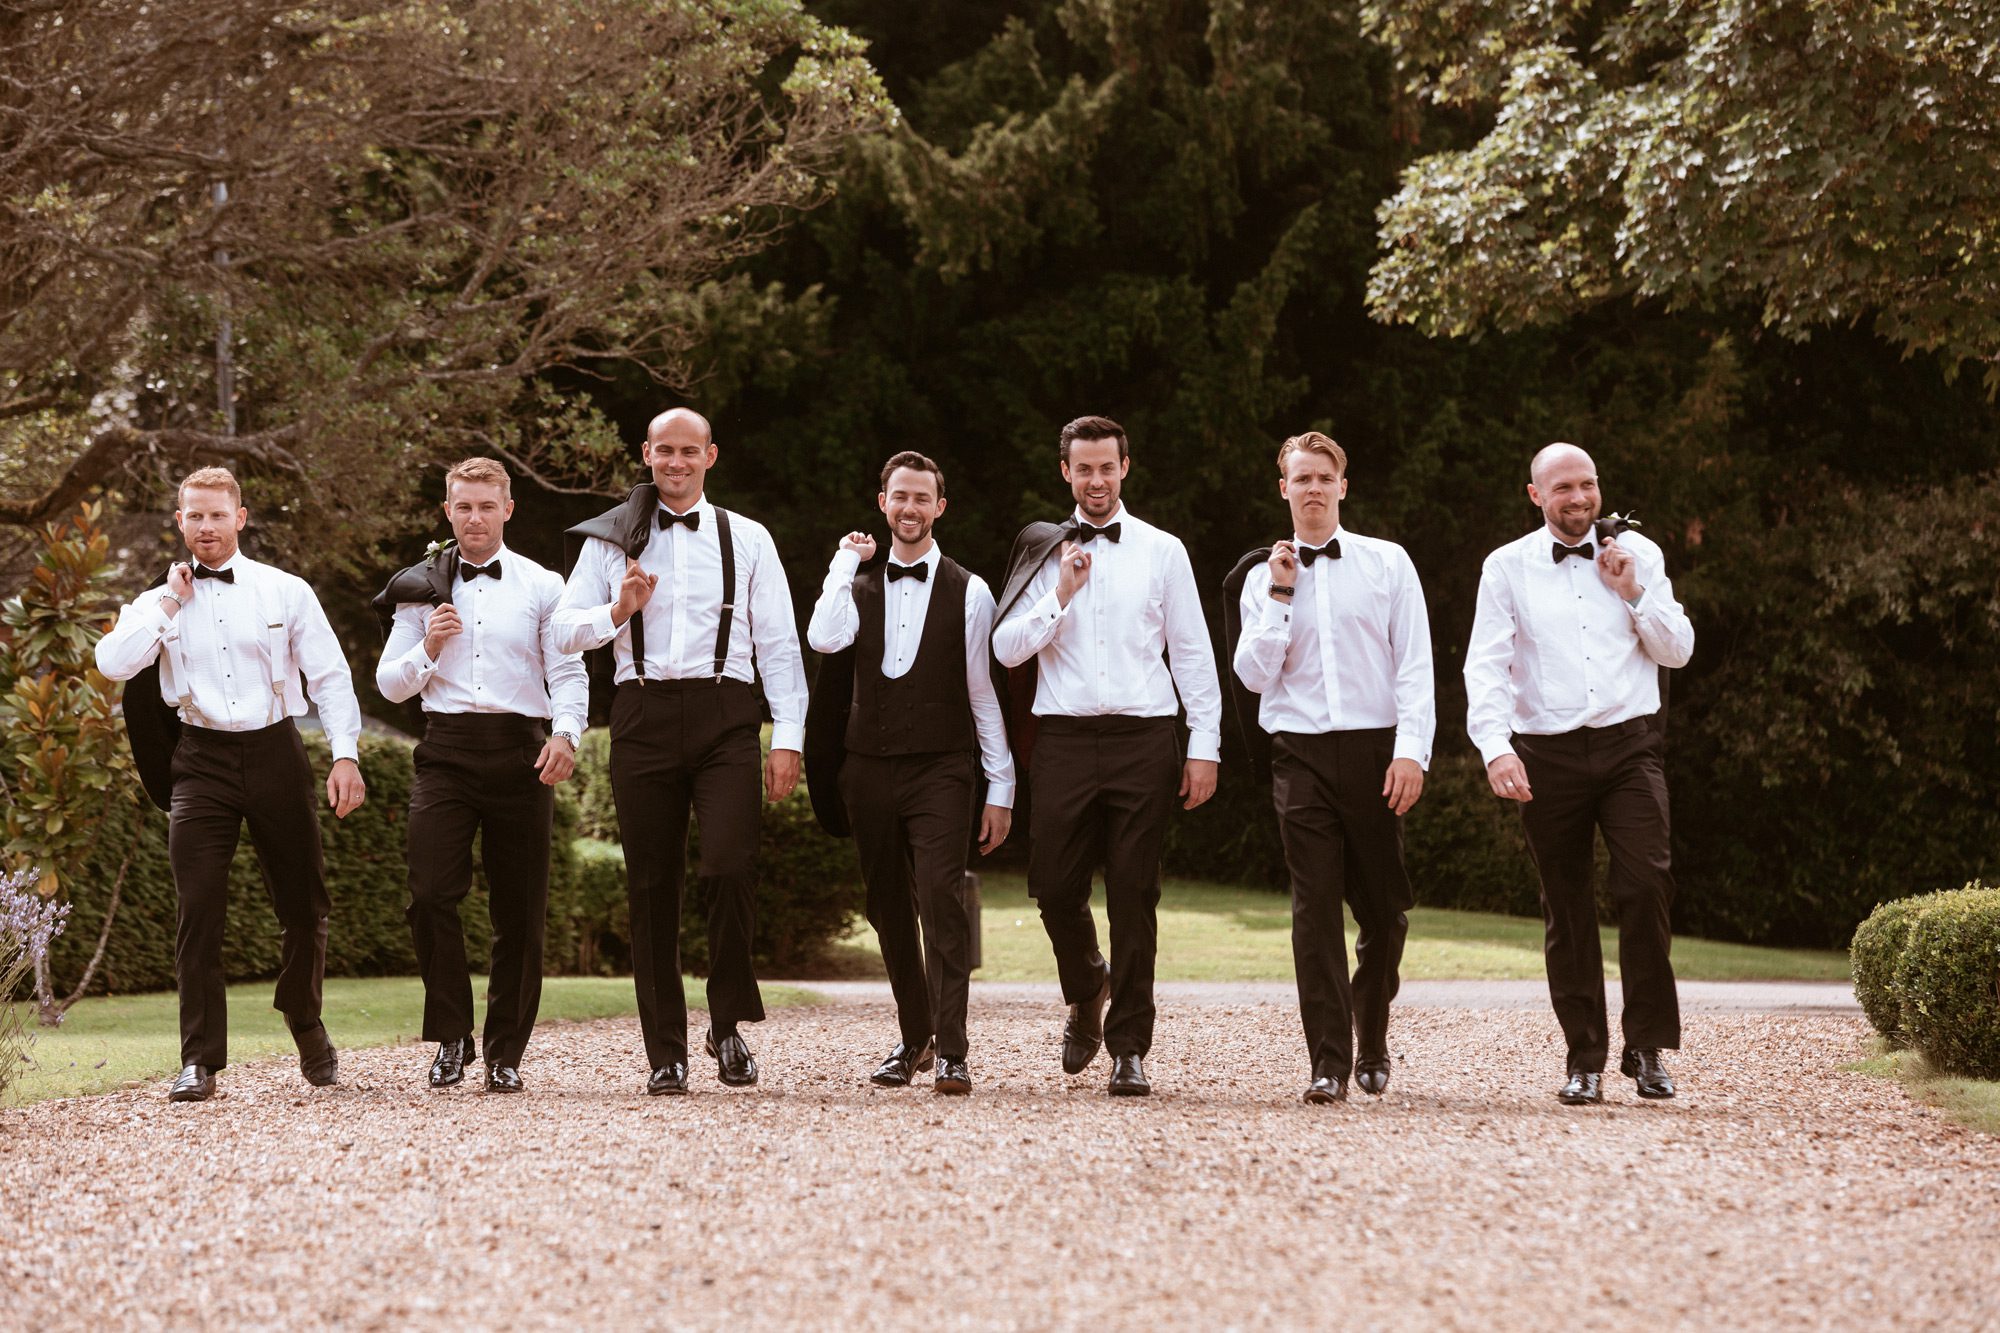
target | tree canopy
[
  {"x": 1828, "y": 162},
  {"x": 387, "y": 222}
]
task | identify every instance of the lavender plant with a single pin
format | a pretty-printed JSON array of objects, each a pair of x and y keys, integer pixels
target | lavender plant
[{"x": 28, "y": 924}]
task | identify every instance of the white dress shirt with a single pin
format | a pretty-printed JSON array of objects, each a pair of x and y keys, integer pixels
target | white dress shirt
[
  {"x": 836, "y": 622},
  {"x": 1101, "y": 654},
  {"x": 1554, "y": 649},
  {"x": 233, "y": 654},
  {"x": 685, "y": 609},
  {"x": 504, "y": 660},
  {"x": 1350, "y": 651}
]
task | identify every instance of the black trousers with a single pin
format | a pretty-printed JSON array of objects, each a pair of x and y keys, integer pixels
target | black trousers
[
  {"x": 223, "y": 780},
  {"x": 913, "y": 820},
  {"x": 676, "y": 746},
  {"x": 475, "y": 776},
  {"x": 1104, "y": 788},
  {"x": 1342, "y": 841},
  {"x": 1608, "y": 778}
]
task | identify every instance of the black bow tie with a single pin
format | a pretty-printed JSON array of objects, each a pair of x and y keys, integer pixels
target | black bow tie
[
  {"x": 920, "y": 572},
  {"x": 204, "y": 572},
  {"x": 1083, "y": 532},
  {"x": 491, "y": 569},
  {"x": 1562, "y": 553},
  {"x": 692, "y": 518},
  {"x": 1308, "y": 554}
]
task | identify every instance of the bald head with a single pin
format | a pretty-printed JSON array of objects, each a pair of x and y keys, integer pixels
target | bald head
[
  {"x": 1557, "y": 455},
  {"x": 679, "y": 423}
]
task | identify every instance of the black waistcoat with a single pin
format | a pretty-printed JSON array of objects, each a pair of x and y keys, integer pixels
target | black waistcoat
[{"x": 927, "y": 709}]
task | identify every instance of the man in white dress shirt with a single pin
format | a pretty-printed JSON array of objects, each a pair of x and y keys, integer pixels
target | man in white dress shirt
[
  {"x": 474, "y": 637},
  {"x": 231, "y": 637},
  {"x": 1337, "y": 641},
  {"x": 694, "y": 602},
  {"x": 1112, "y": 619},
  {"x": 918, "y": 721},
  {"x": 1562, "y": 683}
]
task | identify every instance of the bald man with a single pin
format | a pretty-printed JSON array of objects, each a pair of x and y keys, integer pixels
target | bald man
[
  {"x": 694, "y": 603},
  {"x": 1562, "y": 688}
]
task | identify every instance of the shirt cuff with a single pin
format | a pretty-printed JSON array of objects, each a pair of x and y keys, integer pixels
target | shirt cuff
[
  {"x": 1000, "y": 794},
  {"x": 573, "y": 725},
  {"x": 1497, "y": 749},
  {"x": 601, "y": 627},
  {"x": 1050, "y": 609},
  {"x": 844, "y": 560},
  {"x": 1414, "y": 747},
  {"x": 788, "y": 736},
  {"x": 161, "y": 622},
  {"x": 1206, "y": 745},
  {"x": 1276, "y": 613},
  {"x": 344, "y": 747}
]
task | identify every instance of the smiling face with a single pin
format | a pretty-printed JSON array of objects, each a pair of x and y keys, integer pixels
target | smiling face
[
  {"x": 1314, "y": 487},
  {"x": 478, "y": 511},
  {"x": 209, "y": 519},
  {"x": 1094, "y": 473},
  {"x": 680, "y": 453},
  {"x": 911, "y": 503},
  {"x": 1565, "y": 490}
]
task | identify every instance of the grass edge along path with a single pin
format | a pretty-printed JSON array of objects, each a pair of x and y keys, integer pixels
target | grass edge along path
[
  {"x": 1972, "y": 1102},
  {"x": 1222, "y": 932},
  {"x": 118, "y": 1041}
]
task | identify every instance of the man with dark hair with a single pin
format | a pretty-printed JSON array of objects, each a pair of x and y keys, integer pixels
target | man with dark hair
[
  {"x": 1106, "y": 607},
  {"x": 231, "y": 637},
  {"x": 1562, "y": 686},
  {"x": 473, "y": 635},
  {"x": 684, "y": 726},
  {"x": 1337, "y": 643},
  {"x": 906, "y": 715}
]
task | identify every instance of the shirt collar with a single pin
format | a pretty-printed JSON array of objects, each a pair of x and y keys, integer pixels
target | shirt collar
[
  {"x": 700, "y": 506},
  {"x": 498, "y": 552},
  {"x": 929, "y": 557},
  {"x": 1556, "y": 537},
  {"x": 1339, "y": 534},
  {"x": 1118, "y": 515}
]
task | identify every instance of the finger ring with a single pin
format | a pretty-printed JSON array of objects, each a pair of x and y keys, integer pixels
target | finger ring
[{"x": 1077, "y": 563}]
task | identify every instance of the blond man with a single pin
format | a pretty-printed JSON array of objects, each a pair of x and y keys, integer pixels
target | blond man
[{"x": 230, "y": 638}]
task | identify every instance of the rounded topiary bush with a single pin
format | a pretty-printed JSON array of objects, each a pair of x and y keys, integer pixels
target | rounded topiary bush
[
  {"x": 1876, "y": 950},
  {"x": 1949, "y": 982}
]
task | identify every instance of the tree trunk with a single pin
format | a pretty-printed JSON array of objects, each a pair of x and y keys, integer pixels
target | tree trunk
[{"x": 104, "y": 935}]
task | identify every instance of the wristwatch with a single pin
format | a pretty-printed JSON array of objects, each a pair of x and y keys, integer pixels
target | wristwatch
[{"x": 571, "y": 737}]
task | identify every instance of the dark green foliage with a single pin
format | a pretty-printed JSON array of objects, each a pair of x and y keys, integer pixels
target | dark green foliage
[{"x": 1949, "y": 982}]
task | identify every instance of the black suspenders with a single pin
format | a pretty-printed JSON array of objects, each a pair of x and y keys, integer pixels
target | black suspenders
[{"x": 728, "y": 605}]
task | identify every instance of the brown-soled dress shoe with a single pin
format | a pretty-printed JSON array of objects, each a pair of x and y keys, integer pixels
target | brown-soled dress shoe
[
  {"x": 734, "y": 1064},
  {"x": 668, "y": 1081},
  {"x": 452, "y": 1058},
  {"x": 318, "y": 1061},
  {"x": 195, "y": 1083},
  {"x": 1583, "y": 1089},
  {"x": 953, "y": 1078},
  {"x": 903, "y": 1063},
  {"x": 1643, "y": 1064},
  {"x": 1083, "y": 1033},
  {"x": 1128, "y": 1077},
  {"x": 503, "y": 1078}
]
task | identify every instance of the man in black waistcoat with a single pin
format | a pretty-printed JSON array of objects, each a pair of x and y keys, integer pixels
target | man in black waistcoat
[{"x": 904, "y": 722}]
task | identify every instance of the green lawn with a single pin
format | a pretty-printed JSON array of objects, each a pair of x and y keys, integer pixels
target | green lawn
[
  {"x": 123, "y": 1040},
  {"x": 1215, "y": 932},
  {"x": 1973, "y": 1102}
]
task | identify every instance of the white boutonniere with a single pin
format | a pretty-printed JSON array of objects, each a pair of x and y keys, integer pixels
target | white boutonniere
[{"x": 438, "y": 548}]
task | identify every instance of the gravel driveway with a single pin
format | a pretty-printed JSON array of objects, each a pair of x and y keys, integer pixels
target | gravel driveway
[{"x": 1775, "y": 1192}]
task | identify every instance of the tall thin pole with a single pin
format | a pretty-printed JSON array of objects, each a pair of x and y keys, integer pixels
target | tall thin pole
[{"x": 225, "y": 356}]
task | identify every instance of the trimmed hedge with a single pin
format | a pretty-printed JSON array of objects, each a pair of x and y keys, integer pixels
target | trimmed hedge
[{"x": 1927, "y": 973}]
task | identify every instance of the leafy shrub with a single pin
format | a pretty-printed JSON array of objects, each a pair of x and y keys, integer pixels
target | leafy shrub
[
  {"x": 1876, "y": 950},
  {"x": 28, "y": 922},
  {"x": 1949, "y": 982}
]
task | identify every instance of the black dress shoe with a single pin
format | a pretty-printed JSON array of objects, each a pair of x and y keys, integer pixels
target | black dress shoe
[
  {"x": 668, "y": 1081},
  {"x": 902, "y": 1064},
  {"x": 1371, "y": 1076},
  {"x": 1083, "y": 1034},
  {"x": 503, "y": 1078},
  {"x": 1128, "y": 1077},
  {"x": 953, "y": 1078},
  {"x": 1325, "y": 1088},
  {"x": 452, "y": 1058},
  {"x": 1582, "y": 1089},
  {"x": 1644, "y": 1065},
  {"x": 196, "y": 1083},
  {"x": 733, "y": 1062},
  {"x": 318, "y": 1061}
]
